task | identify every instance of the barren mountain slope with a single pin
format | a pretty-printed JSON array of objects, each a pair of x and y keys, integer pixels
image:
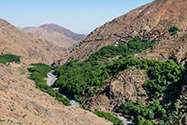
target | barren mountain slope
[
  {"x": 55, "y": 37},
  {"x": 63, "y": 30},
  {"x": 31, "y": 48},
  {"x": 151, "y": 21},
  {"x": 22, "y": 103}
]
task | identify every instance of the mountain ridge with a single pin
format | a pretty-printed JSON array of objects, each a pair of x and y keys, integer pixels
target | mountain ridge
[
  {"x": 149, "y": 21},
  {"x": 54, "y": 37},
  {"x": 64, "y": 31}
]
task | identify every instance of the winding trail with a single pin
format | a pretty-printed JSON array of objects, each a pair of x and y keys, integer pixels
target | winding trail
[{"x": 51, "y": 78}]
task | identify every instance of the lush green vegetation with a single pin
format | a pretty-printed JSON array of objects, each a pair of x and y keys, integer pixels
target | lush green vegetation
[
  {"x": 162, "y": 88},
  {"x": 38, "y": 73},
  {"x": 9, "y": 58},
  {"x": 164, "y": 85},
  {"x": 134, "y": 46},
  {"x": 92, "y": 73},
  {"x": 143, "y": 114},
  {"x": 110, "y": 117}
]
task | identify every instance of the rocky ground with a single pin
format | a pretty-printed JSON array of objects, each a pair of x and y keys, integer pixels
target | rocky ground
[{"x": 22, "y": 103}]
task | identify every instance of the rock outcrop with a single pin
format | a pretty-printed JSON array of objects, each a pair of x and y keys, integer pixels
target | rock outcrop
[{"x": 123, "y": 87}]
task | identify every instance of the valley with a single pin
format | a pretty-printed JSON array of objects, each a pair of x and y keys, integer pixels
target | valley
[{"x": 131, "y": 70}]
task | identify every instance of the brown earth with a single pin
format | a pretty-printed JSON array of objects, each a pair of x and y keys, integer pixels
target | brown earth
[
  {"x": 151, "y": 21},
  {"x": 64, "y": 31},
  {"x": 22, "y": 103},
  {"x": 31, "y": 48},
  {"x": 54, "y": 37}
]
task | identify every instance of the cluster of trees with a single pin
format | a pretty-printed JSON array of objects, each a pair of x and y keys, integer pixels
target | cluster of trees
[
  {"x": 134, "y": 46},
  {"x": 9, "y": 58},
  {"x": 110, "y": 117},
  {"x": 75, "y": 77},
  {"x": 143, "y": 115},
  {"x": 162, "y": 75},
  {"x": 38, "y": 73}
]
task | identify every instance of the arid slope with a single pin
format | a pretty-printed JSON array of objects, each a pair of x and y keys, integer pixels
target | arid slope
[
  {"x": 31, "y": 48},
  {"x": 22, "y": 103},
  {"x": 151, "y": 21},
  {"x": 64, "y": 31},
  {"x": 54, "y": 37}
]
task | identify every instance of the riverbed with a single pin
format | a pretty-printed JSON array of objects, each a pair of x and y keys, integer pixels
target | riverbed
[{"x": 51, "y": 78}]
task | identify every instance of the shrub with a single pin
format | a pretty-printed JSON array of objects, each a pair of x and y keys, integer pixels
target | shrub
[
  {"x": 109, "y": 117},
  {"x": 173, "y": 29},
  {"x": 9, "y": 58}
]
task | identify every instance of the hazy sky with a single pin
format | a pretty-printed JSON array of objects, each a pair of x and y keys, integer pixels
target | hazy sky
[{"x": 80, "y": 16}]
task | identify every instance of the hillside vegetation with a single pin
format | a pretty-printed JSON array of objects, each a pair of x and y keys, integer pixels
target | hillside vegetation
[
  {"x": 163, "y": 88},
  {"x": 82, "y": 80},
  {"x": 9, "y": 58},
  {"x": 92, "y": 73},
  {"x": 38, "y": 73}
]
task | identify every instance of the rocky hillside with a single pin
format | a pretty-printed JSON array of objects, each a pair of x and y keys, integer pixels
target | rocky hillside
[
  {"x": 31, "y": 48},
  {"x": 22, "y": 103},
  {"x": 54, "y": 37},
  {"x": 151, "y": 21},
  {"x": 63, "y": 30},
  {"x": 118, "y": 89}
]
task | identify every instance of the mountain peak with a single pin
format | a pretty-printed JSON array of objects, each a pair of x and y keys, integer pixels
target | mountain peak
[
  {"x": 54, "y": 37},
  {"x": 63, "y": 30}
]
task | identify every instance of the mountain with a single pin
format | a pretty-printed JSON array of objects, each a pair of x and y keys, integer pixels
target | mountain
[
  {"x": 63, "y": 30},
  {"x": 31, "y": 48},
  {"x": 55, "y": 37},
  {"x": 22, "y": 103},
  {"x": 151, "y": 21}
]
